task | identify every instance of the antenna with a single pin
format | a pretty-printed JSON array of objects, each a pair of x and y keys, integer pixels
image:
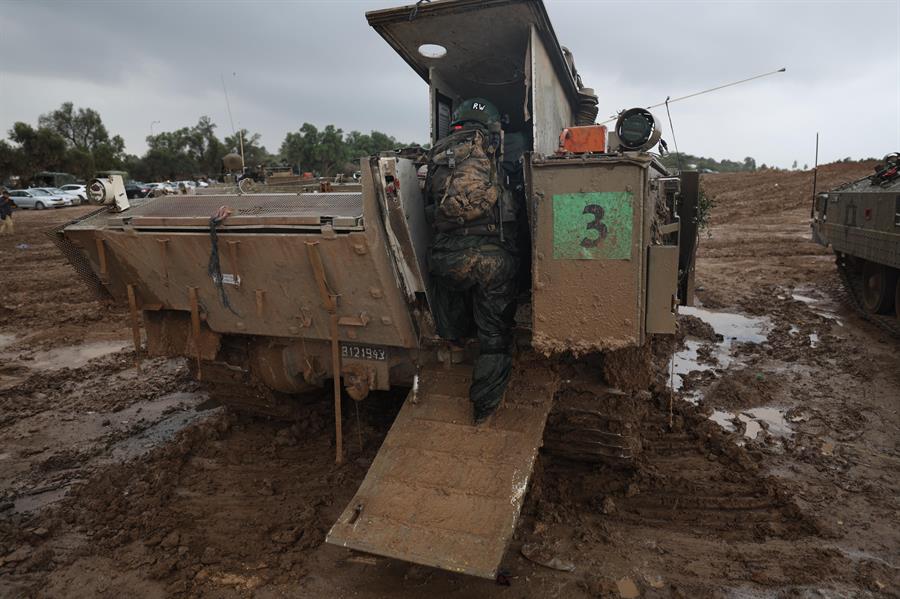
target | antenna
[
  {"x": 667, "y": 101},
  {"x": 812, "y": 210},
  {"x": 231, "y": 119},
  {"x": 227, "y": 103}
]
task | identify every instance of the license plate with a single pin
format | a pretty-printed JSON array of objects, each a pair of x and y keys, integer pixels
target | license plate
[{"x": 355, "y": 351}]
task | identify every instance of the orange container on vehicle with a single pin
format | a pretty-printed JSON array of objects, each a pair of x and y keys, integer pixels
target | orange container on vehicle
[{"x": 580, "y": 140}]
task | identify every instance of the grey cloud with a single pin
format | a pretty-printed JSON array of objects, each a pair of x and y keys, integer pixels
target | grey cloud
[{"x": 318, "y": 61}]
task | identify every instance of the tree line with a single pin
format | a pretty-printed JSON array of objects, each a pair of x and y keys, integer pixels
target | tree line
[
  {"x": 76, "y": 141},
  {"x": 688, "y": 161}
]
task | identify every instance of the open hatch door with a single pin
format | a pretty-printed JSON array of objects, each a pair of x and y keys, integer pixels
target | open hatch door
[{"x": 473, "y": 48}]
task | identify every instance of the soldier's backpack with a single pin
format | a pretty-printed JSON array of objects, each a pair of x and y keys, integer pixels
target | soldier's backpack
[{"x": 462, "y": 182}]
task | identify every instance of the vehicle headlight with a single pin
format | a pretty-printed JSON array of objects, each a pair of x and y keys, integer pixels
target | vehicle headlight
[{"x": 637, "y": 130}]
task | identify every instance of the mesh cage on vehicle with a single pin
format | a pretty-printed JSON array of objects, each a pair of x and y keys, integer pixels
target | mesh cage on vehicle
[{"x": 77, "y": 258}]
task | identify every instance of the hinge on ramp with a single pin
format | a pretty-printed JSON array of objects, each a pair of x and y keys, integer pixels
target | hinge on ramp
[{"x": 442, "y": 492}]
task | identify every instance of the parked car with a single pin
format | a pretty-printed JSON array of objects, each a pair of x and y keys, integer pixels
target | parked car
[
  {"x": 72, "y": 198},
  {"x": 164, "y": 187},
  {"x": 135, "y": 189},
  {"x": 79, "y": 190},
  {"x": 37, "y": 199}
]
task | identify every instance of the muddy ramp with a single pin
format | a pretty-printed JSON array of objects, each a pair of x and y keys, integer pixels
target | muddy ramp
[{"x": 442, "y": 492}]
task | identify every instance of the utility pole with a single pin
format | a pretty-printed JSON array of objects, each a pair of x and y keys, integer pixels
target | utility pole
[{"x": 151, "y": 127}]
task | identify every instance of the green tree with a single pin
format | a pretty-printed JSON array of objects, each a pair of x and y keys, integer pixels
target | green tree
[
  {"x": 299, "y": 147},
  {"x": 81, "y": 163},
  {"x": 11, "y": 160},
  {"x": 40, "y": 149},
  {"x": 81, "y": 129},
  {"x": 254, "y": 152},
  {"x": 207, "y": 148},
  {"x": 331, "y": 152}
]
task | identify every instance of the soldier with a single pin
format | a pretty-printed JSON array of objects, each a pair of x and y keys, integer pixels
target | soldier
[
  {"x": 472, "y": 258},
  {"x": 6, "y": 208}
]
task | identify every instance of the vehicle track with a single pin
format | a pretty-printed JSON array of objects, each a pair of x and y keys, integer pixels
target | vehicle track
[{"x": 851, "y": 292}]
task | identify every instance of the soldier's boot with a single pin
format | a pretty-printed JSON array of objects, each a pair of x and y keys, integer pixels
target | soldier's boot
[
  {"x": 452, "y": 353},
  {"x": 490, "y": 376}
]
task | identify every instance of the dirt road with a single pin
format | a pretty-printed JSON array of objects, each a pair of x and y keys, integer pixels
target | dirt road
[{"x": 778, "y": 476}]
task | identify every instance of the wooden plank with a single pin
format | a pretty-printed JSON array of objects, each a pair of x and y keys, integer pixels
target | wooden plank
[{"x": 442, "y": 492}]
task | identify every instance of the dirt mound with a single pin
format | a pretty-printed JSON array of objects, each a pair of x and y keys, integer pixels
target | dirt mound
[
  {"x": 742, "y": 195},
  {"x": 691, "y": 326}
]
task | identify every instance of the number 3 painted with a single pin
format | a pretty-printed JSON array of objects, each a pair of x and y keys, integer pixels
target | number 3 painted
[{"x": 597, "y": 224}]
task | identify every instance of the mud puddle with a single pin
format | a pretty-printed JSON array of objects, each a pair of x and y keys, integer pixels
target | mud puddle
[
  {"x": 49, "y": 453},
  {"x": 183, "y": 408},
  {"x": 732, "y": 327},
  {"x": 824, "y": 307},
  {"x": 753, "y": 421},
  {"x": 74, "y": 356}
]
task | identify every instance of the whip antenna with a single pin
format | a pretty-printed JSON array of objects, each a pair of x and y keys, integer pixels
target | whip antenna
[{"x": 667, "y": 101}]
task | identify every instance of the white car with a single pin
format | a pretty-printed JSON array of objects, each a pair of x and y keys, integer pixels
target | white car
[
  {"x": 37, "y": 199},
  {"x": 71, "y": 198},
  {"x": 79, "y": 190},
  {"x": 164, "y": 187}
]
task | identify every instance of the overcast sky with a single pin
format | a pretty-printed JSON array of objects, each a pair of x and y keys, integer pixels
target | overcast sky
[{"x": 285, "y": 63}]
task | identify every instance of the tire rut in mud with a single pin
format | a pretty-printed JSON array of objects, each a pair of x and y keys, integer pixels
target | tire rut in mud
[
  {"x": 703, "y": 481},
  {"x": 690, "y": 478}
]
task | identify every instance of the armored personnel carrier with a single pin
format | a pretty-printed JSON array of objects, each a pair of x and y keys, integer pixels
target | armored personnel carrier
[
  {"x": 271, "y": 295},
  {"x": 860, "y": 221}
]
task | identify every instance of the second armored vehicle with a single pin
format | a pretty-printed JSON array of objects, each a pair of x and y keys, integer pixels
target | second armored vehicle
[{"x": 861, "y": 222}]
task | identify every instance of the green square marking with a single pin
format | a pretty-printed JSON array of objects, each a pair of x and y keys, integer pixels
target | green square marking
[{"x": 592, "y": 226}]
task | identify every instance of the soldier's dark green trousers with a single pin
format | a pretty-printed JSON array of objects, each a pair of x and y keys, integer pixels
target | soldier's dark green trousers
[{"x": 473, "y": 291}]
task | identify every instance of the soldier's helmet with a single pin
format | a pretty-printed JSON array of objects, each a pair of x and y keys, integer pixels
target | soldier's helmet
[{"x": 475, "y": 109}]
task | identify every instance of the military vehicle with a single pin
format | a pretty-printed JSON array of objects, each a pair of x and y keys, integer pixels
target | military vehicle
[
  {"x": 861, "y": 223},
  {"x": 271, "y": 295}
]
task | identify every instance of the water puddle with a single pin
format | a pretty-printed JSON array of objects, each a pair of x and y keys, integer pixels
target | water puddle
[
  {"x": 723, "y": 419},
  {"x": 755, "y": 420},
  {"x": 126, "y": 435},
  {"x": 821, "y": 307},
  {"x": 74, "y": 356},
  {"x": 688, "y": 360},
  {"x": 734, "y": 328}
]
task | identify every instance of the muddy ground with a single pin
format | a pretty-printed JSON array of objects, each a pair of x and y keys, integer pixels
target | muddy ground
[{"x": 776, "y": 474}]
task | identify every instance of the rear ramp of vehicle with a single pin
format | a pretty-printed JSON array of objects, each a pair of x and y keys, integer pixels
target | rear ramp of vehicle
[{"x": 442, "y": 492}]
